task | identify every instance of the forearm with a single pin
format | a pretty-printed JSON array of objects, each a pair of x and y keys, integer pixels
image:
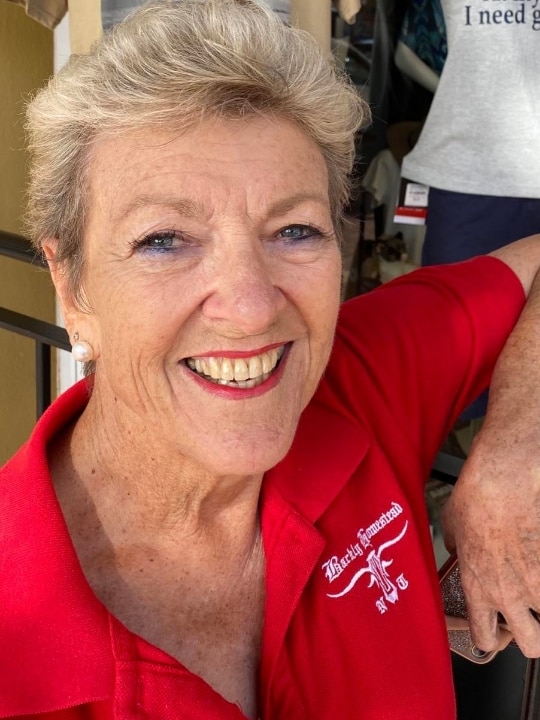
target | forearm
[
  {"x": 410, "y": 64},
  {"x": 523, "y": 257},
  {"x": 494, "y": 513}
]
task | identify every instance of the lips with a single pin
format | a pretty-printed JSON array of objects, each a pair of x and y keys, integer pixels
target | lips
[{"x": 240, "y": 372}]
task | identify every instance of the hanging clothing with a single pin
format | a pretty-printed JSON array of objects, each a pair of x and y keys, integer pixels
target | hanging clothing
[
  {"x": 46, "y": 12},
  {"x": 424, "y": 32},
  {"x": 393, "y": 96},
  {"x": 84, "y": 19}
]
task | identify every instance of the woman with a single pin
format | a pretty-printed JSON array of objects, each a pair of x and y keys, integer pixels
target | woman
[{"x": 226, "y": 519}]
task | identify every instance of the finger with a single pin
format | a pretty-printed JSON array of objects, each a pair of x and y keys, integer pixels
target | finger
[
  {"x": 503, "y": 634},
  {"x": 526, "y": 631},
  {"x": 504, "y": 638},
  {"x": 484, "y": 628}
]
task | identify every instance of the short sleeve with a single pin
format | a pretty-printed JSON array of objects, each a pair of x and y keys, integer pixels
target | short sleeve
[{"x": 412, "y": 354}]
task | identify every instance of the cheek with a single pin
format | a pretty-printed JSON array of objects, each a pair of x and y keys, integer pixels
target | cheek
[
  {"x": 328, "y": 302},
  {"x": 130, "y": 311},
  {"x": 324, "y": 297},
  {"x": 321, "y": 306}
]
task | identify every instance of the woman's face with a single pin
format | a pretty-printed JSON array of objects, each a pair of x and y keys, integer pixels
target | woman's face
[{"x": 213, "y": 274}]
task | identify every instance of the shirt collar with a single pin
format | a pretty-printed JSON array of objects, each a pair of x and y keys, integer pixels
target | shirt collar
[
  {"x": 327, "y": 448},
  {"x": 55, "y": 650}
]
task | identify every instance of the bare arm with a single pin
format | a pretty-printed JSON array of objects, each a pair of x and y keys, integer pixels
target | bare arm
[
  {"x": 494, "y": 513},
  {"x": 410, "y": 64}
]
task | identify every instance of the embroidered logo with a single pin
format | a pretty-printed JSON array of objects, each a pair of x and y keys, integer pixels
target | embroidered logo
[{"x": 376, "y": 561}]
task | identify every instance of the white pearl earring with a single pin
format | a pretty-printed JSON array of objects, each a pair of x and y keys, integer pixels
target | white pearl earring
[{"x": 81, "y": 350}]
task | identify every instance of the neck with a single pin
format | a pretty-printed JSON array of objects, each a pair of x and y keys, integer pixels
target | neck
[{"x": 140, "y": 486}]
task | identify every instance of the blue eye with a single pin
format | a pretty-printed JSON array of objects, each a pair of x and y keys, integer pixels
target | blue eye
[
  {"x": 300, "y": 232},
  {"x": 162, "y": 241}
]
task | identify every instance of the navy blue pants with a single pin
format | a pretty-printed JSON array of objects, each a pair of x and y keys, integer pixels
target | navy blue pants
[{"x": 460, "y": 226}]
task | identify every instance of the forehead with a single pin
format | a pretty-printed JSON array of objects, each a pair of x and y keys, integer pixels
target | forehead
[{"x": 255, "y": 162}]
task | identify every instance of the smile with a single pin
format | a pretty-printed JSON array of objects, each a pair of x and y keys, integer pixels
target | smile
[{"x": 245, "y": 372}]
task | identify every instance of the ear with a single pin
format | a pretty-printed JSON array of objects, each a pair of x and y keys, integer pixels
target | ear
[
  {"x": 61, "y": 284},
  {"x": 76, "y": 319}
]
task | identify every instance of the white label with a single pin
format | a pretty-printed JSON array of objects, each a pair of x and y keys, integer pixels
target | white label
[{"x": 416, "y": 195}]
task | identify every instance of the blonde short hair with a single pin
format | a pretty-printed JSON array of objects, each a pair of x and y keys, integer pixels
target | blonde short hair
[{"x": 170, "y": 64}]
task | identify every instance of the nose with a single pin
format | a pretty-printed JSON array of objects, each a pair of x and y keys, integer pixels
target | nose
[{"x": 246, "y": 298}]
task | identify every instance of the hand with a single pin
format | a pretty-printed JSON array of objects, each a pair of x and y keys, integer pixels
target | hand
[
  {"x": 493, "y": 519},
  {"x": 505, "y": 637},
  {"x": 493, "y": 515}
]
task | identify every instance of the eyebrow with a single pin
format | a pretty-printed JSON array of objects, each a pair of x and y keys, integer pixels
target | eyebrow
[
  {"x": 281, "y": 207},
  {"x": 182, "y": 206},
  {"x": 192, "y": 209}
]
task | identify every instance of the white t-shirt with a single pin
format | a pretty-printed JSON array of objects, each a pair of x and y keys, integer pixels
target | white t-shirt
[{"x": 482, "y": 134}]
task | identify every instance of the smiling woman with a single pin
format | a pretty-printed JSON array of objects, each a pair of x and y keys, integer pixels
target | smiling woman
[
  {"x": 231, "y": 270},
  {"x": 183, "y": 535}
]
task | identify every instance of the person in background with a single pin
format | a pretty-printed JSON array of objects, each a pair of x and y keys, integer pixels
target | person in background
[{"x": 479, "y": 148}]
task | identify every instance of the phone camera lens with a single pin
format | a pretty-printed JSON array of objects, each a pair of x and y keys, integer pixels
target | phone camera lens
[{"x": 477, "y": 652}]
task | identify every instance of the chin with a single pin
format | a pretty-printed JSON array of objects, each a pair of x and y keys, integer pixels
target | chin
[
  {"x": 253, "y": 465},
  {"x": 249, "y": 459}
]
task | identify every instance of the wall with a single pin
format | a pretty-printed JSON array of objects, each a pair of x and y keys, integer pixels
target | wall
[{"x": 26, "y": 60}]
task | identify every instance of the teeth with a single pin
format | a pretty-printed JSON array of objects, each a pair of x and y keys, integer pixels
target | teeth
[
  {"x": 214, "y": 368},
  {"x": 227, "y": 370},
  {"x": 246, "y": 383},
  {"x": 255, "y": 366},
  {"x": 241, "y": 370},
  {"x": 268, "y": 361},
  {"x": 243, "y": 373}
]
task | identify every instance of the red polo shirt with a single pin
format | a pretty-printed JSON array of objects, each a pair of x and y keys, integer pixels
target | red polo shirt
[{"x": 353, "y": 627}]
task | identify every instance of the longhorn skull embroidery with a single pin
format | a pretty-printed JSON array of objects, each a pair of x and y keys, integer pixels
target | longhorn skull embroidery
[{"x": 376, "y": 566}]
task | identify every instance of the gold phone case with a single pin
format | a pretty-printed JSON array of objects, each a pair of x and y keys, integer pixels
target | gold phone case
[{"x": 454, "y": 606}]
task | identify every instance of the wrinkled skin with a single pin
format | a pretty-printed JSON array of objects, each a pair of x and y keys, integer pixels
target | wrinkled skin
[{"x": 493, "y": 516}]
